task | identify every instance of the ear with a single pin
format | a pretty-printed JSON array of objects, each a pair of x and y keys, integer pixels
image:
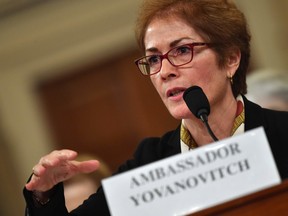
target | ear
[{"x": 233, "y": 62}]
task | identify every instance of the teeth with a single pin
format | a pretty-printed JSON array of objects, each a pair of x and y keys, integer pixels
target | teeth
[{"x": 176, "y": 92}]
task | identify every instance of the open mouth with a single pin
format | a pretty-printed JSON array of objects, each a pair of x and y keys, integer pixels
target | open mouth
[{"x": 175, "y": 92}]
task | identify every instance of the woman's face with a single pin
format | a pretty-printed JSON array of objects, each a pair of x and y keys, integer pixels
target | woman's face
[{"x": 203, "y": 71}]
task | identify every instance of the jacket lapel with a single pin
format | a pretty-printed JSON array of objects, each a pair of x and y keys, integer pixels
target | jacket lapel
[
  {"x": 174, "y": 143},
  {"x": 253, "y": 119},
  {"x": 253, "y": 115}
]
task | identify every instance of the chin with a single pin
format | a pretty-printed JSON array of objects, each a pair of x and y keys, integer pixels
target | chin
[{"x": 180, "y": 114}]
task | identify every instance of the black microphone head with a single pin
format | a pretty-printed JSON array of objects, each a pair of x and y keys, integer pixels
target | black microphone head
[{"x": 197, "y": 101}]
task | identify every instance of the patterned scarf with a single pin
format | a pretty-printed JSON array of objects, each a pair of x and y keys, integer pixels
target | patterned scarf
[{"x": 187, "y": 138}]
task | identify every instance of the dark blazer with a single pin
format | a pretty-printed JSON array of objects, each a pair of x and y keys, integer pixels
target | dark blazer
[{"x": 153, "y": 149}]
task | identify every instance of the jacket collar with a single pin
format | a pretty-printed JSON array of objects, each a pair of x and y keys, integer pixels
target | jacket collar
[
  {"x": 253, "y": 115},
  {"x": 174, "y": 142},
  {"x": 253, "y": 119}
]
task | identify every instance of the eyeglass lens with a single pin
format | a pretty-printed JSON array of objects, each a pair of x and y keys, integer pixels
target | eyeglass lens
[{"x": 177, "y": 56}]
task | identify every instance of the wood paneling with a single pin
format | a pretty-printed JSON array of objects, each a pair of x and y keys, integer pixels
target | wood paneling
[
  {"x": 104, "y": 109},
  {"x": 267, "y": 202}
]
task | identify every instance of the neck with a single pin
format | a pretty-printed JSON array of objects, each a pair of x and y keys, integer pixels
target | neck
[{"x": 221, "y": 120}]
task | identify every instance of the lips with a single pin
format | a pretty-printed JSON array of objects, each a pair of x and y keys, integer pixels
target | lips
[{"x": 174, "y": 92}]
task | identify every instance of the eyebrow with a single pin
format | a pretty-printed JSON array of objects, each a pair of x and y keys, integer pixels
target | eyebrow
[{"x": 171, "y": 45}]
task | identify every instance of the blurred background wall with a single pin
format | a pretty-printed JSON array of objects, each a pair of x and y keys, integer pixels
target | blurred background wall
[{"x": 67, "y": 80}]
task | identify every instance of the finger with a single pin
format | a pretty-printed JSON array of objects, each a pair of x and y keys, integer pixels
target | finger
[
  {"x": 89, "y": 166},
  {"x": 65, "y": 154},
  {"x": 41, "y": 183},
  {"x": 57, "y": 157},
  {"x": 77, "y": 167},
  {"x": 51, "y": 169},
  {"x": 36, "y": 184},
  {"x": 33, "y": 183},
  {"x": 38, "y": 170}
]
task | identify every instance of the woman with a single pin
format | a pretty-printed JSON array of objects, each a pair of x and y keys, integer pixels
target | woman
[{"x": 185, "y": 43}]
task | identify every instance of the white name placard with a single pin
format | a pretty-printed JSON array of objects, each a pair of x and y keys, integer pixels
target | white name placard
[{"x": 189, "y": 182}]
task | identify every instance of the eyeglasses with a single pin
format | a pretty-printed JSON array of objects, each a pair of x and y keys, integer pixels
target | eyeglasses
[{"x": 177, "y": 56}]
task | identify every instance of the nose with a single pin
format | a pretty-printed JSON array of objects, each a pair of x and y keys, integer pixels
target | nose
[{"x": 167, "y": 70}]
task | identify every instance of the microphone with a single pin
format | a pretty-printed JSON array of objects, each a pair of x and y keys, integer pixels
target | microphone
[{"x": 198, "y": 104}]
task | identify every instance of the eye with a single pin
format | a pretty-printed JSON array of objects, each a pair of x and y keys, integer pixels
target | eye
[
  {"x": 153, "y": 60},
  {"x": 182, "y": 50}
]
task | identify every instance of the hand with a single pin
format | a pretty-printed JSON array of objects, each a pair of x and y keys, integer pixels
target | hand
[{"x": 56, "y": 167}]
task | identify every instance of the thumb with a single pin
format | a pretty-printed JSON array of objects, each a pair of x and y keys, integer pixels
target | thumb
[{"x": 87, "y": 166}]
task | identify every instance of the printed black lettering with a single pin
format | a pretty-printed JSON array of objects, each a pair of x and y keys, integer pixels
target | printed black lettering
[
  {"x": 202, "y": 177},
  {"x": 160, "y": 173},
  {"x": 210, "y": 156},
  {"x": 135, "y": 199},
  {"x": 223, "y": 152},
  {"x": 192, "y": 182},
  {"x": 159, "y": 192},
  {"x": 234, "y": 148},
  {"x": 134, "y": 183},
  {"x": 231, "y": 168},
  {"x": 244, "y": 165},
  {"x": 147, "y": 196}
]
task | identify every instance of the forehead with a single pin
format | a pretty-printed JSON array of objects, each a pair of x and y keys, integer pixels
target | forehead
[{"x": 162, "y": 32}]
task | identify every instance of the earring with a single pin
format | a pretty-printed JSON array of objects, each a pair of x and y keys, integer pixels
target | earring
[{"x": 231, "y": 79}]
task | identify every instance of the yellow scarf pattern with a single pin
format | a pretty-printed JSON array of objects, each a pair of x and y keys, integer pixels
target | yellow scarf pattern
[{"x": 187, "y": 138}]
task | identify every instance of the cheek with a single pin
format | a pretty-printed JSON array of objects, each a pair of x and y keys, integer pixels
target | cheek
[
  {"x": 208, "y": 71},
  {"x": 210, "y": 77},
  {"x": 153, "y": 81},
  {"x": 156, "y": 85},
  {"x": 204, "y": 74}
]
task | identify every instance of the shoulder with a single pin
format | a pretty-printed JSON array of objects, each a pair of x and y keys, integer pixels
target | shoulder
[
  {"x": 275, "y": 126},
  {"x": 274, "y": 122},
  {"x": 277, "y": 116},
  {"x": 276, "y": 132},
  {"x": 256, "y": 116}
]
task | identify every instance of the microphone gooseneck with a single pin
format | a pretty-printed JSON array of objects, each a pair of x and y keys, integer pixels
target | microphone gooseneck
[{"x": 198, "y": 104}]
